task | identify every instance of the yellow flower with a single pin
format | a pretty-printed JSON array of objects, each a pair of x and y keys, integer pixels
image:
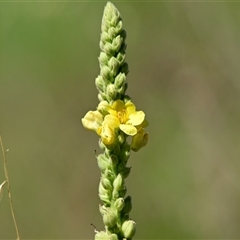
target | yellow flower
[
  {"x": 108, "y": 118},
  {"x": 94, "y": 120},
  {"x": 125, "y": 117}
]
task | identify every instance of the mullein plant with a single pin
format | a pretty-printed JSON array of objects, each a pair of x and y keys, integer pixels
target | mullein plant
[{"x": 115, "y": 120}]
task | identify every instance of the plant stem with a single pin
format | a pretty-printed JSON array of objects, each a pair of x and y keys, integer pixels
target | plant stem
[{"x": 8, "y": 187}]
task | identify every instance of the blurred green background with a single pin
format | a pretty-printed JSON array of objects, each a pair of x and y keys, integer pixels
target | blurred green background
[{"x": 184, "y": 73}]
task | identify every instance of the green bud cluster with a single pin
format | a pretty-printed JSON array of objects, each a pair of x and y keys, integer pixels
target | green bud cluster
[
  {"x": 111, "y": 82},
  {"x": 112, "y": 190}
]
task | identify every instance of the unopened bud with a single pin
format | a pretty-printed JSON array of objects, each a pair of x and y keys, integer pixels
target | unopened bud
[
  {"x": 108, "y": 48},
  {"x": 104, "y": 236},
  {"x": 106, "y": 183},
  {"x": 105, "y": 198},
  {"x": 110, "y": 218},
  {"x": 102, "y": 189},
  {"x": 99, "y": 83},
  {"x": 129, "y": 228},
  {"x": 105, "y": 73},
  {"x": 114, "y": 65},
  {"x": 119, "y": 204},
  {"x": 103, "y": 107},
  {"x": 111, "y": 91},
  {"x": 101, "y": 96},
  {"x": 117, "y": 43},
  {"x": 118, "y": 182},
  {"x": 103, "y": 162},
  {"x": 139, "y": 140},
  {"x": 120, "y": 80},
  {"x": 101, "y": 235}
]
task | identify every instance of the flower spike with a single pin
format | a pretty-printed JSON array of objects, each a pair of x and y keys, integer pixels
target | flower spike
[{"x": 115, "y": 120}]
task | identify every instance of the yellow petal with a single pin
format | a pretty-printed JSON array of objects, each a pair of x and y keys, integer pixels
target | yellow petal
[
  {"x": 118, "y": 105},
  {"x": 108, "y": 135},
  {"x": 128, "y": 129},
  {"x": 92, "y": 120},
  {"x": 111, "y": 121},
  {"x": 136, "y": 118},
  {"x": 130, "y": 107}
]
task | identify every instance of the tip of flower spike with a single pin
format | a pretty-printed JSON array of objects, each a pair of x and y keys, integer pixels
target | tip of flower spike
[
  {"x": 110, "y": 15},
  {"x": 111, "y": 6}
]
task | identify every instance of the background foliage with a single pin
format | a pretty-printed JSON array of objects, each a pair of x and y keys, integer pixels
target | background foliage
[{"x": 184, "y": 73}]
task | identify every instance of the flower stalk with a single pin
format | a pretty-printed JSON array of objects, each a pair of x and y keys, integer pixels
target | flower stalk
[
  {"x": 8, "y": 187},
  {"x": 115, "y": 121}
]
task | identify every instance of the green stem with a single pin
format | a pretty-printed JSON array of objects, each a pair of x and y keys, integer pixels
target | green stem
[{"x": 8, "y": 187}]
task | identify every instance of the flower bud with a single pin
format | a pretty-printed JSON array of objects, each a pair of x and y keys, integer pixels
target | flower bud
[
  {"x": 129, "y": 229},
  {"x": 103, "y": 162},
  {"x": 101, "y": 235},
  {"x": 121, "y": 58},
  {"x": 108, "y": 48},
  {"x": 104, "y": 198},
  {"x": 111, "y": 92},
  {"x": 120, "y": 80},
  {"x": 115, "y": 194},
  {"x": 139, "y": 140},
  {"x": 106, "y": 183},
  {"x": 104, "y": 38},
  {"x": 113, "y": 237},
  {"x": 119, "y": 27},
  {"x": 123, "y": 88},
  {"x": 112, "y": 33},
  {"x": 118, "y": 182},
  {"x": 103, "y": 107},
  {"x": 119, "y": 204},
  {"x": 103, "y": 190},
  {"x": 109, "y": 174},
  {"x": 114, "y": 66},
  {"x": 117, "y": 43},
  {"x": 106, "y": 73},
  {"x": 105, "y": 236},
  {"x": 110, "y": 218},
  {"x": 99, "y": 83},
  {"x": 102, "y": 209}
]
